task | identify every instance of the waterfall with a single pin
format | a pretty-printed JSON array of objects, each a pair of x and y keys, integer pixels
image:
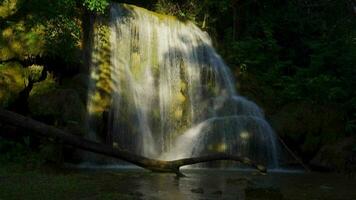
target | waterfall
[{"x": 167, "y": 93}]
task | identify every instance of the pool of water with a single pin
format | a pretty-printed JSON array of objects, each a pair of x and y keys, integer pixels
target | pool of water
[
  {"x": 111, "y": 182},
  {"x": 236, "y": 184}
]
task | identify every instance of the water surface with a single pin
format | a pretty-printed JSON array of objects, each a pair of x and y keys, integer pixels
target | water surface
[{"x": 133, "y": 183}]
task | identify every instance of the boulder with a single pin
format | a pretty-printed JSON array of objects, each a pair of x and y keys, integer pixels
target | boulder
[
  {"x": 306, "y": 127},
  {"x": 340, "y": 156},
  {"x": 59, "y": 107},
  {"x": 79, "y": 83}
]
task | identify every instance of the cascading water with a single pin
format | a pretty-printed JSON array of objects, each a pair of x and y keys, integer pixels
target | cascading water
[{"x": 170, "y": 94}]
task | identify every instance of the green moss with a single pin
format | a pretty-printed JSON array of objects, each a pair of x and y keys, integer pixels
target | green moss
[
  {"x": 160, "y": 16},
  {"x": 100, "y": 99},
  {"x": 62, "y": 106}
]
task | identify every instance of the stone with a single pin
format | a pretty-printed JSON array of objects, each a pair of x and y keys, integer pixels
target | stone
[
  {"x": 59, "y": 107},
  {"x": 305, "y": 127},
  {"x": 336, "y": 157},
  {"x": 79, "y": 83}
]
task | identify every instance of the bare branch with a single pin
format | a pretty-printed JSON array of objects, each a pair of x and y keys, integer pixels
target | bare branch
[{"x": 44, "y": 130}]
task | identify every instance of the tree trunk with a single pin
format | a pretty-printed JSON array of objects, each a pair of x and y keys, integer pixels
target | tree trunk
[{"x": 38, "y": 128}]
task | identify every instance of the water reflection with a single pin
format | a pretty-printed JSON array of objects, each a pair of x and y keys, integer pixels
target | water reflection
[
  {"x": 225, "y": 184},
  {"x": 205, "y": 184}
]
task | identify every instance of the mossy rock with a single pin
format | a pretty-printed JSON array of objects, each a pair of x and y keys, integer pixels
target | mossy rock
[
  {"x": 309, "y": 126},
  {"x": 12, "y": 82},
  {"x": 339, "y": 156},
  {"x": 99, "y": 99},
  {"x": 62, "y": 107},
  {"x": 79, "y": 83}
]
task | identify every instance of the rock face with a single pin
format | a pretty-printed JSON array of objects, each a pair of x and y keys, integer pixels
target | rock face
[
  {"x": 79, "y": 83},
  {"x": 340, "y": 156},
  {"x": 61, "y": 107},
  {"x": 306, "y": 127}
]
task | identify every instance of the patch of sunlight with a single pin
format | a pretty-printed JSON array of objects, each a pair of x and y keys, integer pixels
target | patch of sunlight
[
  {"x": 12, "y": 81},
  {"x": 115, "y": 145},
  {"x": 161, "y": 17},
  {"x": 183, "y": 85},
  {"x": 45, "y": 86},
  {"x": 8, "y": 7},
  {"x": 7, "y": 32},
  {"x": 104, "y": 86},
  {"x": 16, "y": 46},
  {"x": 98, "y": 103},
  {"x": 16, "y": 40},
  {"x": 220, "y": 147},
  {"x": 180, "y": 97},
  {"x": 244, "y": 135},
  {"x": 178, "y": 113},
  {"x": 34, "y": 72},
  {"x": 135, "y": 65},
  {"x": 6, "y": 53}
]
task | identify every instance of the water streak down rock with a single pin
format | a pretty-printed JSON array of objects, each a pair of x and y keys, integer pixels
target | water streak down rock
[{"x": 171, "y": 94}]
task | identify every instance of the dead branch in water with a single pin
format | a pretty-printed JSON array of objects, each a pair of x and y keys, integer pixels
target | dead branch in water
[{"x": 39, "y": 128}]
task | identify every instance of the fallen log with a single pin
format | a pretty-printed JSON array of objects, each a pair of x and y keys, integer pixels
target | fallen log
[{"x": 39, "y": 128}]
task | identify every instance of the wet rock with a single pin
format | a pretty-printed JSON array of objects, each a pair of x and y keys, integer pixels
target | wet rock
[
  {"x": 263, "y": 194},
  {"x": 336, "y": 157},
  {"x": 79, "y": 83},
  {"x": 60, "y": 107},
  {"x": 197, "y": 190},
  {"x": 306, "y": 126}
]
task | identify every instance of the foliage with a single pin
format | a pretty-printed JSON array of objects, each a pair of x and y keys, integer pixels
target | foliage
[
  {"x": 96, "y": 5},
  {"x": 12, "y": 81},
  {"x": 45, "y": 86},
  {"x": 185, "y": 10}
]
